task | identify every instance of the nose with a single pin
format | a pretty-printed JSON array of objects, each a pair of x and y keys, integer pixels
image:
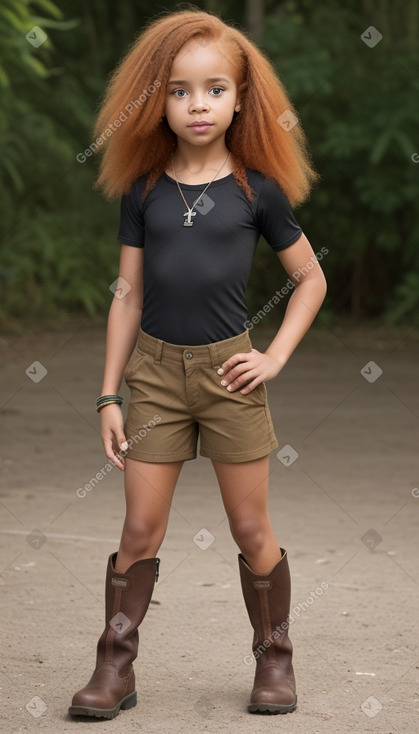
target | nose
[{"x": 198, "y": 103}]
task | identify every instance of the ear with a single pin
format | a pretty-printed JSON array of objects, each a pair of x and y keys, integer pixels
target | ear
[{"x": 237, "y": 108}]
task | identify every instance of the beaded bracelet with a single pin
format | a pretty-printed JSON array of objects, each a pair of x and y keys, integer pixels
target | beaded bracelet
[{"x": 103, "y": 400}]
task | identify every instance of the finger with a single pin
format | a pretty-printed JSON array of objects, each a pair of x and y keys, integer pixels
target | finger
[
  {"x": 121, "y": 441},
  {"x": 233, "y": 361},
  {"x": 235, "y": 372},
  {"x": 118, "y": 460},
  {"x": 250, "y": 387},
  {"x": 114, "y": 456},
  {"x": 241, "y": 370},
  {"x": 120, "y": 452},
  {"x": 242, "y": 381}
]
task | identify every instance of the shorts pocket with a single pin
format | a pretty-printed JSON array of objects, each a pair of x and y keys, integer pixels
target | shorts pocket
[
  {"x": 133, "y": 363},
  {"x": 258, "y": 395}
]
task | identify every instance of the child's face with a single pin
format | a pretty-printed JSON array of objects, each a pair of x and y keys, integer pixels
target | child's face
[{"x": 202, "y": 88}]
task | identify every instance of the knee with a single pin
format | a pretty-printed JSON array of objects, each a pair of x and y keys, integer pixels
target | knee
[
  {"x": 250, "y": 533},
  {"x": 140, "y": 533}
]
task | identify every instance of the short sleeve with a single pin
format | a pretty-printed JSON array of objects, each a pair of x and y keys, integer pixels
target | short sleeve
[
  {"x": 131, "y": 223},
  {"x": 274, "y": 217}
]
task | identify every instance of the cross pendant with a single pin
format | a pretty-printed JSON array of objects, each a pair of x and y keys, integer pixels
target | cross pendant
[{"x": 188, "y": 222}]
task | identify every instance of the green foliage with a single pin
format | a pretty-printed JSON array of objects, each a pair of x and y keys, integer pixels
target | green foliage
[
  {"x": 59, "y": 262},
  {"x": 55, "y": 257},
  {"x": 404, "y": 306},
  {"x": 357, "y": 105}
]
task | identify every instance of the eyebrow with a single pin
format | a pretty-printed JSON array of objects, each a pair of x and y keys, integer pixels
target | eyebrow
[{"x": 213, "y": 79}]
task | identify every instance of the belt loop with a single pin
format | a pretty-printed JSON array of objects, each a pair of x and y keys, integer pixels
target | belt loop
[
  {"x": 214, "y": 354},
  {"x": 159, "y": 347}
]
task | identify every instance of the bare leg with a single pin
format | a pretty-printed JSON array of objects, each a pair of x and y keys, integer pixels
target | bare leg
[
  {"x": 149, "y": 489},
  {"x": 244, "y": 490}
]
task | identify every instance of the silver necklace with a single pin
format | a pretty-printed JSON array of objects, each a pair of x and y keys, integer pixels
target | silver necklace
[{"x": 190, "y": 213}]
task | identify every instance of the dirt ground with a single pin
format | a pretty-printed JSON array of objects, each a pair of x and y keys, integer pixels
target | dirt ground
[{"x": 346, "y": 509}]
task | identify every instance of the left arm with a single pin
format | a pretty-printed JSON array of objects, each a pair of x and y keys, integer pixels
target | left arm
[{"x": 252, "y": 368}]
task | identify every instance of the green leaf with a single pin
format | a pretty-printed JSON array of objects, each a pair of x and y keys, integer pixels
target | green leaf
[
  {"x": 50, "y": 8},
  {"x": 14, "y": 21},
  {"x": 36, "y": 65},
  {"x": 4, "y": 79},
  {"x": 381, "y": 146},
  {"x": 60, "y": 25},
  {"x": 406, "y": 145}
]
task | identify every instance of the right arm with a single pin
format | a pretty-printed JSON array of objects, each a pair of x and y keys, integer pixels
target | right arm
[{"x": 121, "y": 336}]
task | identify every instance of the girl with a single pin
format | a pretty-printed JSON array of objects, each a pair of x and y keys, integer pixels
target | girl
[{"x": 204, "y": 166}]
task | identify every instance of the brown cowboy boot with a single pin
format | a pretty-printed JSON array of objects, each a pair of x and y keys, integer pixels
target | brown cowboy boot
[
  {"x": 267, "y": 599},
  {"x": 112, "y": 685}
]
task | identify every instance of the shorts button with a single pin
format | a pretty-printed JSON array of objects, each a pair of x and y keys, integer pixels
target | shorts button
[{"x": 188, "y": 355}]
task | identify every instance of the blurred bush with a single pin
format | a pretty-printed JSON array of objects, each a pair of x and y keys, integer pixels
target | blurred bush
[{"x": 356, "y": 103}]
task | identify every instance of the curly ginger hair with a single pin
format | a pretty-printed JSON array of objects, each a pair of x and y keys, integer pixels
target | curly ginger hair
[{"x": 142, "y": 142}]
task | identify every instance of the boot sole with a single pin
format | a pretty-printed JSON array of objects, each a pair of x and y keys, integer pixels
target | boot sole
[
  {"x": 271, "y": 708},
  {"x": 126, "y": 703}
]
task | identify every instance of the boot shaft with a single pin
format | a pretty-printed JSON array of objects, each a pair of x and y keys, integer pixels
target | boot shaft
[
  {"x": 267, "y": 599},
  {"x": 127, "y": 599}
]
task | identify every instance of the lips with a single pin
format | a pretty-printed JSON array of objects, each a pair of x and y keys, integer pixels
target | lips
[{"x": 200, "y": 123}]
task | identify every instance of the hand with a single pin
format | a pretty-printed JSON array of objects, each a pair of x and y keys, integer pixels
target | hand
[
  {"x": 249, "y": 369},
  {"x": 113, "y": 436}
]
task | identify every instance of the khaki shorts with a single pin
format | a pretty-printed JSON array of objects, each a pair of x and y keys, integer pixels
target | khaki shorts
[{"x": 176, "y": 396}]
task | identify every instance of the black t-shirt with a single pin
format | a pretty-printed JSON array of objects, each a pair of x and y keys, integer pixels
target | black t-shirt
[{"x": 195, "y": 277}]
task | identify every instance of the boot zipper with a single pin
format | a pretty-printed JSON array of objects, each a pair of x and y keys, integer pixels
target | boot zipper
[{"x": 157, "y": 568}]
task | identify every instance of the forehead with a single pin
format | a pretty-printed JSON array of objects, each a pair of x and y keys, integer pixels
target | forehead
[{"x": 200, "y": 57}]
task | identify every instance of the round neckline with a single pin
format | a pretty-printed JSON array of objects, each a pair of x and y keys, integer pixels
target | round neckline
[{"x": 200, "y": 185}]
